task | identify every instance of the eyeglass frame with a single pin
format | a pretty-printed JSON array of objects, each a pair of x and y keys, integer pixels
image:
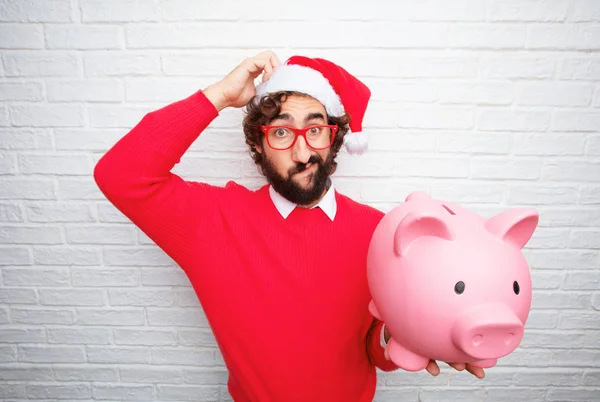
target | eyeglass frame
[{"x": 301, "y": 132}]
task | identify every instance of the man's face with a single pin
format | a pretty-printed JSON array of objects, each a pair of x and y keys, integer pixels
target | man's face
[{"x": 300, "y": 173}]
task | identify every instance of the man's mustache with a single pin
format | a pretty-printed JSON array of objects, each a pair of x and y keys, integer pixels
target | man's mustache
[{"x": 300, "y": 167}]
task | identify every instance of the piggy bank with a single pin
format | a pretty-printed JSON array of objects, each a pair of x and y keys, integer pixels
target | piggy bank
[{"x": 449, "y": 284}]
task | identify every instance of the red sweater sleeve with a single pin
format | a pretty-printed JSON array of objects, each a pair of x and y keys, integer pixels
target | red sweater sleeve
[
  {"x": 135, "y": 175},
  {"x": 374, "y": 349}
]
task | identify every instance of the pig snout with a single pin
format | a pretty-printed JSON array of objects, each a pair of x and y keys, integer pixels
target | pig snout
[{"x": 487, "y": 332}]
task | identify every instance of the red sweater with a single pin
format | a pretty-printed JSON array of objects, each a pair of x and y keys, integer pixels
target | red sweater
[{"x": 287, "y": 299}]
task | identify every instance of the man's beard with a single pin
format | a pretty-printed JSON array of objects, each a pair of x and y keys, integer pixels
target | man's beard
[{"x": 291, "y": 190}]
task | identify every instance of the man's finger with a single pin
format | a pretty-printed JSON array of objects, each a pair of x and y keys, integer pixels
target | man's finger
[
  {"x": 268, "y": 72},
  {"x": 476, "y": 371},
  {"x": 433, "y": 368},
  {"x": 457, "y": 366}
]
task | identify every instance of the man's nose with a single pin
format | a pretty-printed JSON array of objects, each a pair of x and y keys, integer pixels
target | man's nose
[{"x": 301, "y": 150}]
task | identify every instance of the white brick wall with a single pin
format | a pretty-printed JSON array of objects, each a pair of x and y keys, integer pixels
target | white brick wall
[{"x": 489, "y": 103}]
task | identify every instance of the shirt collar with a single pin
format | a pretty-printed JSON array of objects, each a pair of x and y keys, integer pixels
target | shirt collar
[{"x": 285, "y": 207}]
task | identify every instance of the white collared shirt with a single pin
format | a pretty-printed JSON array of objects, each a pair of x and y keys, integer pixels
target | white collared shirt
[{"x": 285, "y": 207}]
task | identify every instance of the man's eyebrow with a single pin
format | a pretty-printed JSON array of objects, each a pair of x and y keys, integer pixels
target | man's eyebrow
[
  {"x": 282, "y": 116},
  {"x": 314, "y": 116}
]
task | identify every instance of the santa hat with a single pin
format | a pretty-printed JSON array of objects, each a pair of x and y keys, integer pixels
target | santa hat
[{"x": 330, "y": 84}]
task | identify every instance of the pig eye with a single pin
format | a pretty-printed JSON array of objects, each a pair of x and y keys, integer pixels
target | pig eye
[
  {"x": 459, "y": 288},
  {"x": 516, "y": 287}
]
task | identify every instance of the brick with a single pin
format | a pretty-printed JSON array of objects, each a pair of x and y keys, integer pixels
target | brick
[
  {"x": 104, "y": 277},
  {"x": 66, "y": 256},
  {"x": 206, "y": 376},
  {"x": 41, "y": 64},
  {"x": 584, "y": 11},
  {"x": 542, "y": 194},
  {"x": 163, "y": 375},
  {"x": 22, "y": 335},
  {"x": 13, "y": 391},
  {"x": 436, "y": 10},
  {"x": 59, "y": 212},
  {"x": 562, "y": 37},
  {"x": 563, "y": 259},
  {"x": 21, "y": 36},
  {"x": 540, "y": 319},
  {"x": 585, "y": 239},
  {"x": 553, "y": 94},
  {"x": 123, "y": 392},
  {"x": 71, "y": 297},
  {"x": 30, "y": 235},
  {"x": 181, "y": 10},
  {"x": 43, "y": 316},
  {"x": 579, "y": 320},
  {"x": 181, "y": 317},
  {"x": 589, "y": 195},
  {"x": 128, "y": 256},
  {"x": 31, "y": 11},
  {"x": 446, "y": 117},
  {"x": 15, "y": 256},
  {"x": 119, "y": 10},
  {"x": 115, "y": 116},
  {"x": 187, "y": 298},
  {"x": 51, "y": 115},
  {"x": 397, "y": 394},
  {"x": 468, "y": 192},
  {"x": 79, "y": 189},
  {"x": 8, "y": 164},
  {"x": 482, "y": 93},
  {"x": 25, "y": 138},
  {"x": 579, "y": 68},
  {"x": 591, "y": 378},
  {"x": 209, "y": 167},
  {"x": 79, "y": 336},
  {"x": 570, "y": 217},
  {"x": 596, "y": 100},
  {"x": 565, "y": 120},
  {"x": 145, "y": 337},
  {"x": 180, "y": 356},
  {"x": 454, "y": 394},
  {"x": 87, "y": 140},
  {"x": 159, "y": 89},
  {"x": 38, "y": 276},
  {"x": 197, "y": 338},
  {"x": 113, "y": 317},
  {"x": 560, "y": 300},
  {"x": 509, "y": 66},
  {"x": 8, "y": 354},
  {"x": 544, "y": 238},
  {"x": 481, "y": 143},
  {"x": 107, "y": 213},
  {"x": 141, "y": 298},
  {"x": 592, "y": 146},
  {"x": 534, "y": 11},
  {"x": 11, "y": 213},
  {"x": 488, "y": 36},
  {"x": 596, "y": 301},
  {"x": 550, "y": 338},
  {"x": 17, "y": 296},
  {"x": 99, "y": 235},
  {"x": 4, "y": 117},
  {"x": 114, "y": 63},
  {"x": 572, "y": 394},
  {"x": 571, "y": 171},
  {"x": 21, "y": 91},
  {"x": 188, "y": 392},
  {"x": 87, "y": 373},
  {"x": 51, "y": 354},
  {"x": 498, "y": 119},
  {"x": 3, "y": 316},
  {"x": 581, "y": 281},
  {"x": 61, "y": 391},
  {"x": 63, "y": 36},
  {"x": 88, "y": 90},
  {"x": 549, "y": 144},
  {"x": 117, "y": 355},
  {"x": 21, "y": 372},
  {"x": 55, "y": 164},
  {"x": 496, "y": 394},
  {"x": 504, "y": 168},
  {"x": 28, "y": 189}
]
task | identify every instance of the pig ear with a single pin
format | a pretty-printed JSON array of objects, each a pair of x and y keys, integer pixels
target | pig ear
[
  {"x": 417, "y": 225},
  {"x": 515, "y": 225},
  {"x": 374, "y": 311}
]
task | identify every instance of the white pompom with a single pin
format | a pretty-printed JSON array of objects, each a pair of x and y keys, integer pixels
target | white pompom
[{"x": 356, "y": 143}]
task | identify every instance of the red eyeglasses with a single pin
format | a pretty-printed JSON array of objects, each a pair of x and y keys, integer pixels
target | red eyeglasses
[{"x": 284, "y": 137}]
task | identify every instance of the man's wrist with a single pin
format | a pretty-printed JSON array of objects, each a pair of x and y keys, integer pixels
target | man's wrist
[{"x": 216, "y": 97}]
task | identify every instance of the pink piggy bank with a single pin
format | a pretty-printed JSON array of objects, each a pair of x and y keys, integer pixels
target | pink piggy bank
[{"x": 449, "y": 284}]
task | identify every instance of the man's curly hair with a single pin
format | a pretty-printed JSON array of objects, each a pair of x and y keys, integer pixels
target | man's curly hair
[{"x": 262, "y": 112}]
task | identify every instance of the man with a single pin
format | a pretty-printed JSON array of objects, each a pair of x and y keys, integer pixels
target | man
[{"x": 280, "y": 272}]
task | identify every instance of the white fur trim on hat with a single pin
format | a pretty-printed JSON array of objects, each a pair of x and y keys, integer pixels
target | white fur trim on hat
[
  {"x": 292, "y": 77},
  {"x": 356, "y": 143}
]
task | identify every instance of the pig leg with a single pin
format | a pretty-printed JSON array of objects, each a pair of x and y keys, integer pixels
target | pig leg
[
  {"x": 484, "y": 363},
  {"x": 406, "y": 359}
]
